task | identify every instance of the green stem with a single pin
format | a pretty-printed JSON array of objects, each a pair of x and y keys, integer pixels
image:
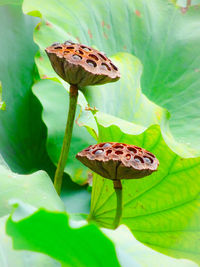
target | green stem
[
  {"x": 73, "y": 96},
  {"x": 118, "y": 191}
]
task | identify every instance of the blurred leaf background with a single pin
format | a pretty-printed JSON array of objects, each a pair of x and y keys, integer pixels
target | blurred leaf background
[{"x": 155, "y": 104}]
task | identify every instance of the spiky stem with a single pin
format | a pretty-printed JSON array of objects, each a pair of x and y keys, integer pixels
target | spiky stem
[{"x": 73, "y": 96}]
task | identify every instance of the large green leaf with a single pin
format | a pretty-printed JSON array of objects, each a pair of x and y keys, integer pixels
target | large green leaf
[
  {"x": 50, "y": 233},
  {"x": 161, "y": 210},
  {"x": 22, "y": 133},
  {"x": 54, "y": 99},
  {"x": 131, "y": 252},
  {"x": 10, "y": 257},
  {"x": 165, "y": 39},
  {"x": 35, "y": 189},
  {"x": 124, "y": 99}
]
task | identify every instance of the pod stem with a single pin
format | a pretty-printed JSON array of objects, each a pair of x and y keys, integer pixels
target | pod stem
[
  {"x": 118, "y": 191},
  {"x": 73, "y": 96}
]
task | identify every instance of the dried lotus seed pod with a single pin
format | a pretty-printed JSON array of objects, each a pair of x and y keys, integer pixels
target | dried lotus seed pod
[
  {"x": 81, "y": 65},
  {"x": 118, "y": 161}
]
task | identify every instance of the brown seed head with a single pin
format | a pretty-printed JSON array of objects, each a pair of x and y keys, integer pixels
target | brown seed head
[
  {"x": 81, "y": 65},
  {"x": 118, "y": 160}
]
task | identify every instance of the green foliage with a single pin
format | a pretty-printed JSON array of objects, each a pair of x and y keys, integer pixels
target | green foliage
[
  {"x": 22, "y": 133},
  {"x": 138, "y": 255},
  {"x": 68, "y": 245},
  {"x": 35, "y": 189},
  {"x": 155, "y": 105},
  {"x": 38, "y": 191},
  {"x": 11, "y": 257}
]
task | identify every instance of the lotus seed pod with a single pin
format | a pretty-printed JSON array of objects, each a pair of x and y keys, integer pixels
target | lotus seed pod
[
  {"x": 117, "y": 161},
  {"x": 81, "y": 65}
]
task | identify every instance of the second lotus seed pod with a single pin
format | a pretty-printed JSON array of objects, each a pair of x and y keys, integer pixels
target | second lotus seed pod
[{"x": 118, "y": 161}]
